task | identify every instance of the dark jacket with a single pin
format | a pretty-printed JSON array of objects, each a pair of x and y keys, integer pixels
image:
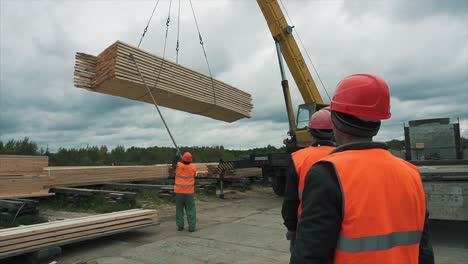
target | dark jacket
[
  {"x": 319, "y": 229},
  {"x": 291, "y": 199}
]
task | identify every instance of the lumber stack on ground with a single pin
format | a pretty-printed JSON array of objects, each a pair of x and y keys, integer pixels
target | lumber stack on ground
[
  {"x": 22, "y": 165},
  {"x": 82, "y": 176},
  {"x": 173, "y": 85},
  {"x": 20, "y": 240}
]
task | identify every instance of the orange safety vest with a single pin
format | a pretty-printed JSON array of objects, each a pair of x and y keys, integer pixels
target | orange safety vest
[
  {"x": 303, "y": 160},
  {"x": 384, "y": 207},
  {"x": 185, "y": 178}
]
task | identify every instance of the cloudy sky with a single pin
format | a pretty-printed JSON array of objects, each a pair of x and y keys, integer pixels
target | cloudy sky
[{"x": 420, "y": 47}]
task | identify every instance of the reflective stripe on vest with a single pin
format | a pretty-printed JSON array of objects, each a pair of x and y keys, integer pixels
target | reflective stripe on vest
[
  {"x": 185, "y": 178},
  {"x": 184, "y": 185},
  {"x": 384, "y": 207},
  {"x": 382, "y": 242},
  {"x": 303, "y": 160}
]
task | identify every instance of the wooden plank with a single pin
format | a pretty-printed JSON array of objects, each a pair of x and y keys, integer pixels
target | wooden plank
[
  {"x": 22, "y": 165},
  {"x": 69, "y": 241},
  {"x": 23, "y": 239},
  {"x": 10, "y": 233},
  {"x": 81, "y": 176},
  {"x": 50, "y": 240}
]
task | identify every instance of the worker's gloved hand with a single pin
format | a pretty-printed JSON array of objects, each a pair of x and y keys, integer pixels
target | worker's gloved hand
[{"x": 176, "y": 159}]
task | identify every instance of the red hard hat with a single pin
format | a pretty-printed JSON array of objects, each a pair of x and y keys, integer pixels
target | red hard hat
[
  {"x": 321, "y": 120},
  {"x": 187, "y": 157},
  {"x": 362, "y": 95}
]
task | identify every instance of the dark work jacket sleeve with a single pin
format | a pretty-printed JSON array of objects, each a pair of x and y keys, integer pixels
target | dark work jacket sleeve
[
  {"x": 291, "y": 199},
  {"x": 426, "y": 253},
  {"x": 176, "y": 159},
  {"x": 320, "y": 223}
]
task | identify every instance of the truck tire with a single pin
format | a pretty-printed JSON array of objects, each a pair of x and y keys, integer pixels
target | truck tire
[{"x": 278, "y": 184}]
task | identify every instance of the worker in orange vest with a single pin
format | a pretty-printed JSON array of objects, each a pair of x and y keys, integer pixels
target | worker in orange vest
[
  {"x": 184, "y": 188},
  {"x": 360, "y": 203},
  {"x": 321, "y": 130}
]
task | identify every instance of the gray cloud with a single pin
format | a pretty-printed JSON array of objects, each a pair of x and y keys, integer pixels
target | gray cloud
[
  {"x": 407, "y": 11},
  {"x": 422, "y": 52}
]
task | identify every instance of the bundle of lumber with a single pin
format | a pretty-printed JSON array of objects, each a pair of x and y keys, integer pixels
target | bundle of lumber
[
  {"x": 81, "y": 176},
  {"x": 23, "y": 176},
  {"x": 22, "y": 165},
  {"x": 174, "y": 86},
  {"x": 24, "y": 186},
  {"x": 24, "y": 239}
]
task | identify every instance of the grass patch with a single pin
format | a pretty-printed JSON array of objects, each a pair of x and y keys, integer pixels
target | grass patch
[
  {"x": 28, "y": 219},
  {"x": 149, "y": 199}
]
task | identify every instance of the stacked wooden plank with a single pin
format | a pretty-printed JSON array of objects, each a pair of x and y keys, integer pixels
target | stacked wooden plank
[
  {"x": 23, "y": 176},
  {"x": 20, "y": 240},
  {"x": 174, "y": 86},
  {"x": 11, "y": 165},
  {"x": 81, "y": 176},
  {"x": 24, "y": 186}
]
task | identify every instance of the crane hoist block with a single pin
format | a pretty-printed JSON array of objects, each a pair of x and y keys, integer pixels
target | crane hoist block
[{"x": 174, "y": 86}]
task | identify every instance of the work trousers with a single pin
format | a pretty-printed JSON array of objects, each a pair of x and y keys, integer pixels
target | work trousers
[{"x": 187, "y": 202}]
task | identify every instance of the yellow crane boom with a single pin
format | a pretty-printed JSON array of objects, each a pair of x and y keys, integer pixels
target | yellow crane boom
[
  {"x": 282, "y": 33},
  {"x": 287, "y": 48}
]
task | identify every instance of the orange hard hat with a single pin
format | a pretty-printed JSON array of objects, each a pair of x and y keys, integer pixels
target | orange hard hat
[
  {"x": 321, "y": 120},
  {"x": 187, "y": 157},
  {"x": 362, "y": 95}
]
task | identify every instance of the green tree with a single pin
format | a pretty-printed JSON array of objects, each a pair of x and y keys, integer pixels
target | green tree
[{"x": 396, "y": 144}]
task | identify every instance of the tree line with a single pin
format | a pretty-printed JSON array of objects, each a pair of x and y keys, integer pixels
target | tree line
[{"x": 101, "y": 155}]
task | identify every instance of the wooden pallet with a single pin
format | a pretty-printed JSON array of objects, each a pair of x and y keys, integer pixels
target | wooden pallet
[
  {"x": 18, "y": 240},
  {"x": 173, "y": 85}
]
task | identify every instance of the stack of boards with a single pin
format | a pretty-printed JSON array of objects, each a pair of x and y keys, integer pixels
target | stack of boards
[
  {"x": 23, "y": 239},
  {"x": 174, "y": 86},
  {"x": 23, "y": 176},
  {"x": 29, "y": 176},
  {"x": 81, "y": 176}
]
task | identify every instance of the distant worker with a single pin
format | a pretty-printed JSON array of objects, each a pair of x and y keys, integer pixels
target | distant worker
[
  {"x": 321, "y": 129},
  {"x": 184, "y": 189},
  {"x": 361, "y": 204}
]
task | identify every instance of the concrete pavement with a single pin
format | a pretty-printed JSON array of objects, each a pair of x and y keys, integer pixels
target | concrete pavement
[{"x": 247, "y": 230}]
